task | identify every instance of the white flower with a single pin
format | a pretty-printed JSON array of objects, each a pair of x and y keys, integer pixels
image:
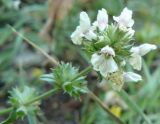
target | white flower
[
  {"x": 83, "y": 30},
  {"x": 131, "y": 77},
  {"x": 108, "y": 50},
  {"x": 104, "y": 63},
  {"x": 76, "y": 36},
  {"x": 138, "y": 52},
  {"x": 90, "y": 35},
  {"x": 125, "y": 18},
  {"x": 143, "y": 49},
  {"x": 102, "y": 19},
  {"x": 85, "y": 22},
  {"x": 136, "y": 61},
  {"x": 130, "y": 32}
]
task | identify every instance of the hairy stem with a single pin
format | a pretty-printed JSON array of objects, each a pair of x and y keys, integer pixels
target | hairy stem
[{"x": 101, "y": 104}]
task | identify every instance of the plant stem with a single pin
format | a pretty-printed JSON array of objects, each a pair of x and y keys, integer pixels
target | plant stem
[
  {"x": 134, "y": 106},
  {"x": 44, "y": 95},
  {"x": 53, "y": 60},
  {"x": 96, "y": 99},
  {"x": 5, "y": 111}
]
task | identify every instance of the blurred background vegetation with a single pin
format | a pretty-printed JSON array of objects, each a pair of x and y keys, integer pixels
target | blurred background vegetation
[{"x": 49, "y": 24}]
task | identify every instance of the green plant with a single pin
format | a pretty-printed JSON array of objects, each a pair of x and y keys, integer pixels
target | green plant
[{"x": 109, "y": 46}]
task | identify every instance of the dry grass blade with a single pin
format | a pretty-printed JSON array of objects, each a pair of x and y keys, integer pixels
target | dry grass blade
[{"x": 52, "y": 59}]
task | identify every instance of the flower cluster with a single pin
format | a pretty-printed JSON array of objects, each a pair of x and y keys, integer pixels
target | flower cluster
[{"x": 110, "y": 46}]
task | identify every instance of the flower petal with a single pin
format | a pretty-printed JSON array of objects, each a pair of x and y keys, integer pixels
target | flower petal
[
  {"x": 76, "y": 36},
  {"x": 108, "y": 66},
  {"x": 90, "y": 35},
  {"x": 145, "y": 48},
  {"x": 136, "y": 61},
  {"x": 103, "y": 64},
  {"x": 130, "y": 32},
  {"x": 125, "y": 18},
  {"x": 131, "y": 77},
  {"x": 102, "y": 19},
  {"x": 84, "y": 22},
  {"x": 108, "y": 50},
  {"x": 96, "y": 61}
]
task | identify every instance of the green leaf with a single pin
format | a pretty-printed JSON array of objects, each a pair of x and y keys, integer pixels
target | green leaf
[
  {"x": 99, "y": 44},
  {"x": 47, "y": 77},
  {"x": 31, "y": 118},
  {"x": 5, "y": 34}
]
